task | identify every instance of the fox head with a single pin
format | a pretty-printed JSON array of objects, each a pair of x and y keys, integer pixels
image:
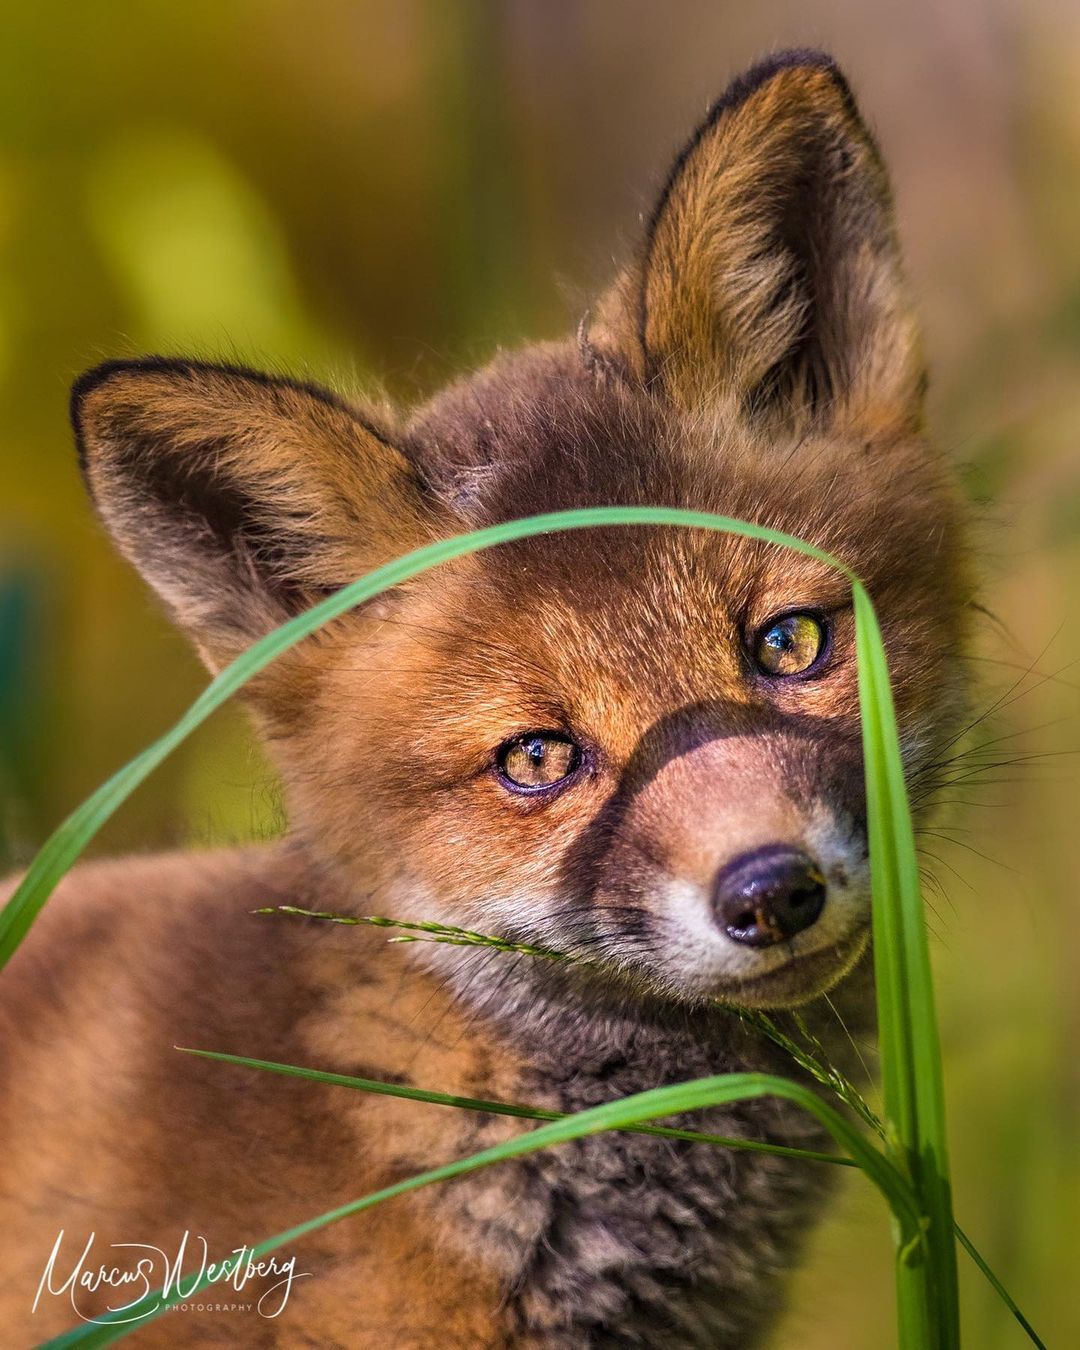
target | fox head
[{"x": 640, "y": 745}]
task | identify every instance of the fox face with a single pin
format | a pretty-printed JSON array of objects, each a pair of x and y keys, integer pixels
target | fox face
[{"x": 639, "y": 746}]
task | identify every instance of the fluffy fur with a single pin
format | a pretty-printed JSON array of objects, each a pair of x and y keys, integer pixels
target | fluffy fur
[{"x": 758, "y": 357}]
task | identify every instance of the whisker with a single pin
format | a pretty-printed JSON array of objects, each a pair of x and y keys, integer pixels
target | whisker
[
  {"x": 1009, "y": 696},
  {"x": 851, "y": 1039},
  {"x": 947, "y": 865},
  {"x": 962, "y": 843}
]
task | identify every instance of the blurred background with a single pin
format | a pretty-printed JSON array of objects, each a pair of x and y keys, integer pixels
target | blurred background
[{"x": 377, "y": 195}]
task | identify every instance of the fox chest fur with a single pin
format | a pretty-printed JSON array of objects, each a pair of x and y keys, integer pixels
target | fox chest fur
[
  {"x": 614, "y": 1240},
  {"x": 636, "y": 747}
]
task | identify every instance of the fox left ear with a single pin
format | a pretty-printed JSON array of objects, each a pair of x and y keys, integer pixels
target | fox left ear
[
  {"x": 242, "y": 498},
  {"x": 770, "y": 273}
]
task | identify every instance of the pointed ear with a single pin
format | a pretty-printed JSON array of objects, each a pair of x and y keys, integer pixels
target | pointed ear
[
  {"x": 240, "y": 497},
  {"x": 770, "y": 274}
]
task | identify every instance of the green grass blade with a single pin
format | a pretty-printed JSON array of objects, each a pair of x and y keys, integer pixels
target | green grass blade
[
  {"x": 430, "y": 931},
  {"x": 998, "y": 1287},
  {"x": 535, "y": 1113},
  {"x": 910, "y": 1048},
  {"x": 67, "y": 842},
  {"x": 817, "y": 1066},
  {"x": 636, "y": 1110},
  {"x": 425, "y": 931},
  {"x": 413, "y": 1094}
]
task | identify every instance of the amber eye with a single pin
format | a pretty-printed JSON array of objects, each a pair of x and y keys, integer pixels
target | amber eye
[
  {"x": 537, "y": 760},
  {"x": 790, "y": 645}
]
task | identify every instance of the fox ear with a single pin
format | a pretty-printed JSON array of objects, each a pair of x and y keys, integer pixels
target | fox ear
[
  {"x": 240, "y": 497},
  {"x": 770, "y": 273}
]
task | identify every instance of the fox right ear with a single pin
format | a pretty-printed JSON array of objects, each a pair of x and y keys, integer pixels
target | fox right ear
[
  {"x": 770, "y": 275},
  {"x": 240, "y": 497}
]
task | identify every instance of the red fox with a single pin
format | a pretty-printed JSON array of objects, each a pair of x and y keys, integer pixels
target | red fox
[{"x": 638, "y": 746}]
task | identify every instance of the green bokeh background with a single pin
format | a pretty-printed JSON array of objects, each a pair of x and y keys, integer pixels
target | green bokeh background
[{"x": 378, "y": 195}]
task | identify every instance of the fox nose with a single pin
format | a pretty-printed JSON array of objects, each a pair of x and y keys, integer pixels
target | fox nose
[{"x": 768, "y": 896}]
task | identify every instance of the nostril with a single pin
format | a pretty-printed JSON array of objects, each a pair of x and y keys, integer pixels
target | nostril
[{"x": 769, "y": 895}]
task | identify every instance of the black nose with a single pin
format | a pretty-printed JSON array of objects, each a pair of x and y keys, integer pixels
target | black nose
[{"x": 768, "y": 896}]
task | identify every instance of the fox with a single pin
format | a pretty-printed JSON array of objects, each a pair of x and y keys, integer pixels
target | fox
[{"x": 638, "y": 746}]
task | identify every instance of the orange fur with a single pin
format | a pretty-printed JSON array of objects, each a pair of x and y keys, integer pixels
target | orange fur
[{"x": 759, "y": 359}]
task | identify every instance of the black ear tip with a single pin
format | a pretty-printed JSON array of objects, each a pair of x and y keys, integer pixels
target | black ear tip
[
  {"x": 98, "y": 375},
  {"x": 236, "y": 378},
  {"x": 788, "y": 59},
  {"x": 82, "y": 387},
  {"x": 192, "y": 368},
  {"x": 794, "y": 58},
  {"x": 88, "y": 381}
]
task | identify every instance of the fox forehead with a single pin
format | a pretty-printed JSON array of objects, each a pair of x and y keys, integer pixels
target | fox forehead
[
  {"x": 613, "y": 633},
  {"x": 664, "y": 607},
  {"x": 537, "y": 431}
]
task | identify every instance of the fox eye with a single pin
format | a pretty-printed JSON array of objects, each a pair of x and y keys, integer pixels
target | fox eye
[
  {"x": 537, "y": 760},
  {"x": 790, "y": 645}
]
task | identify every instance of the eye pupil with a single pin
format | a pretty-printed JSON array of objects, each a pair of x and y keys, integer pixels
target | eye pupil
[
  {"x": 537, "y": 760},
  {"x": 790, "y": 645}
]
